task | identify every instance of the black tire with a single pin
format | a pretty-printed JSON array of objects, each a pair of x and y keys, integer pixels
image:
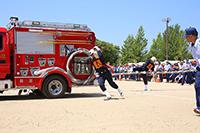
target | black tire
[{"x": 54, "y": 86}]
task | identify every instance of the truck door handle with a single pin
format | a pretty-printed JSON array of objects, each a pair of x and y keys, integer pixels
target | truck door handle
[{"x": 2, "y": 61}]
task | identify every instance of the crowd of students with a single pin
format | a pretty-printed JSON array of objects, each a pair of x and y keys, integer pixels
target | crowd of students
[{"x": 168, "y": 71}]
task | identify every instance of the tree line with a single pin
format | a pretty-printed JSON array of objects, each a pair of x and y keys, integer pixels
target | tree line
[{"x": 134, "y": 48}]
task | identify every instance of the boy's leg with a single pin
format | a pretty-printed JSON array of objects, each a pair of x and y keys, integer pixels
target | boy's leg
[
  {"x": 101, "y": 82},
  {"x": 113, "y": 84},
  {"x": 144, "y": 76}
]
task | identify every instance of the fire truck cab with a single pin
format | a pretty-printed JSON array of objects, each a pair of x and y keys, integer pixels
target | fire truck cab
[{"x": 46, "y": 56}]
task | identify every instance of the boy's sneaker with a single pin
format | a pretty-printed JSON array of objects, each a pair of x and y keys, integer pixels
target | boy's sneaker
[
  {"x": 197, "y": 111},
  {"x": 120, "y": 92},
  {"x": 107, "y": 98},
  {"x": 145, "y": 87}
]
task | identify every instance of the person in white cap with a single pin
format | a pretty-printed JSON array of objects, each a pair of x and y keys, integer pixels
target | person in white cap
[
  {"x": 191, "y": 36},
  {"x": 148, "y": 66},
  {"x": 102, "y": 72}
]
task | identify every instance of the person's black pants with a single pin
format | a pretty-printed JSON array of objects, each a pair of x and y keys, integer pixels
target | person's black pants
[
  {"x": 145, "y": 78},
  {"x": 106, "y": 75},
  {"x": 197, "y": 89}
]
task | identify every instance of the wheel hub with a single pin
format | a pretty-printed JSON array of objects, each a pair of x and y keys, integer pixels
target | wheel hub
[{"x": 55, "y": 87}]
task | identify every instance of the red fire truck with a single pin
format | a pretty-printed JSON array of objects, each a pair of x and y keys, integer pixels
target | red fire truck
[{"x": 44, "y": 56}]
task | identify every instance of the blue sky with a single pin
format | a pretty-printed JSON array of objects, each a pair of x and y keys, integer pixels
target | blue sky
[{"x": 111, "y": 20}]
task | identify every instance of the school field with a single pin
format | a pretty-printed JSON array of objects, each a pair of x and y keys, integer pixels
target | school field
[{"x": 167, "y": 108}]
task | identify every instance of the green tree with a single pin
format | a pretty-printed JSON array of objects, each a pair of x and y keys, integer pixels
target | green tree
[
  {"x": 110, "y": 51},
  {"x": 141, "y": 42},
  {"x": 157, "y": 48},
  {"x": 127, "y": 50},
  {"x": 177, "y": 46},
  {"x": 134, "y": 48}
]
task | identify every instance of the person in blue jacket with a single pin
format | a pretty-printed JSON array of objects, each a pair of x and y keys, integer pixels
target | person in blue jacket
[
  {"x": 148, "y": 66},
  {"x": 102, "y": 72}
]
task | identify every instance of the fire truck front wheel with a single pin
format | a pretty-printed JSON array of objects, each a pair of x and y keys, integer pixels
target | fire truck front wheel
[{"x": 54, "y": 86}]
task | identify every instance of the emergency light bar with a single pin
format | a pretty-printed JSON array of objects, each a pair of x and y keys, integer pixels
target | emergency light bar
[{"x": 39, "y": 24}]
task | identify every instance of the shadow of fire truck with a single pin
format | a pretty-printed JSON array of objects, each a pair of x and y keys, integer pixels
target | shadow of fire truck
[{"x": 38, "y": 97}]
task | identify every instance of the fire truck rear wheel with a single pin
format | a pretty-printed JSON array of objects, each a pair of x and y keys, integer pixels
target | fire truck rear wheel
[{"x": 54, "y": 86}]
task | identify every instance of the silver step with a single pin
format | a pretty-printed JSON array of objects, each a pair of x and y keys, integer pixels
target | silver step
[{"x": 5, "y": 84}]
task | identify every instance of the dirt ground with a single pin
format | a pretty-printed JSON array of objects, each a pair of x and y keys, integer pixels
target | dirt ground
[{"x": 167, "y": 108}]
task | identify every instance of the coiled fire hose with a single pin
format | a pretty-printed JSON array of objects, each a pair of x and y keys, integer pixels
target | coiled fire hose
[{"x": 75, "y": 80}]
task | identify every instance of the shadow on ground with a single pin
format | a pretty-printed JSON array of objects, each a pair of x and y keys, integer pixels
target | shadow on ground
[
  {"x": 37, "y": 97},
  {"x": 157, "y": 90}
]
